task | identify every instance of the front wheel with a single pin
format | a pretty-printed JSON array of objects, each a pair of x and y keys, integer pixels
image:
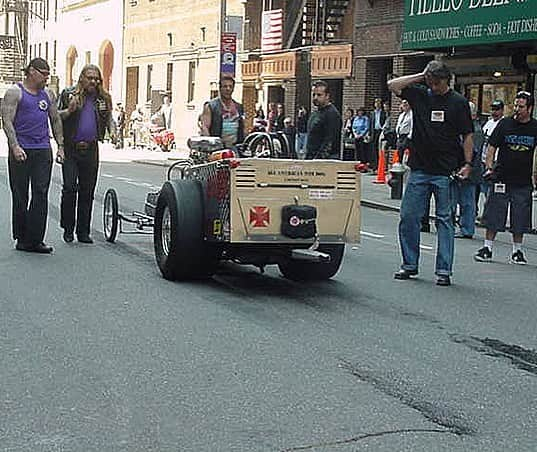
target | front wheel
[
  {"x": 314, "y": 271},
  {"x": 180, "y": 249},
  {"x": 110, "y": 215}
]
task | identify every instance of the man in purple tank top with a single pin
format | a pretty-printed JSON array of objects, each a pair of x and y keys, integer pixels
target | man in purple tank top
[{"x": 26, "y": 110}]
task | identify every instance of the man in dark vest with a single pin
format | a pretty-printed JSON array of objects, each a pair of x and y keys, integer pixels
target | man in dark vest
[
  {"x": 223, "y": 117},
  {"x": 86, "y": 112}
]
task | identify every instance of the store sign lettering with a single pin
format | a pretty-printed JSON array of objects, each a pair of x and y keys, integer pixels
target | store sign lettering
[{"x": 446, "y": 23}]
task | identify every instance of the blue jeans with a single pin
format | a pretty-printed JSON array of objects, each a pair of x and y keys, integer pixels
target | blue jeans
[
  {"x": 466, "y": 202},
  {"x": 301, "y": 141},
  {"x": 413, "y": 206}
]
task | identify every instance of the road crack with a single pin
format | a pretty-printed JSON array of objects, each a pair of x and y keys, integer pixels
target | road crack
[{"x": 366, "y": 436}]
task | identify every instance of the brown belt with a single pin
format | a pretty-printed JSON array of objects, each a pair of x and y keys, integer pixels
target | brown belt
[{"x": 84, "y": 145}]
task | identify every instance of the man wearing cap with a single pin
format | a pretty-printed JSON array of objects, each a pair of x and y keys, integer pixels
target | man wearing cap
[
  {"x": 26, "y": 110},
  {"x": 441, "y": 135}
]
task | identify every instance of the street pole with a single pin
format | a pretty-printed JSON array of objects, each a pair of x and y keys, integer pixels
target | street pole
[{"x": 223, "y": 27}]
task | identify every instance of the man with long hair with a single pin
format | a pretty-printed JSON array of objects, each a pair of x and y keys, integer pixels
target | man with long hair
[
  {"x": 86, "y": 112},
  {"x": 26, "y": 111}
]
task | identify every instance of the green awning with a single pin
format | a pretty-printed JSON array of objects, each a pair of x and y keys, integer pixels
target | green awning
[{"x": 447, "y": 23}]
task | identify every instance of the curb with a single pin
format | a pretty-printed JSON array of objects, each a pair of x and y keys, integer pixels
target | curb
[
  {"x": 379, "y": 205},
  {"x": 152, "y": 162}
]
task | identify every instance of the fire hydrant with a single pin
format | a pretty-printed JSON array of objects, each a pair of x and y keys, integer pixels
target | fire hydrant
[{"x": 397, "y": 172}]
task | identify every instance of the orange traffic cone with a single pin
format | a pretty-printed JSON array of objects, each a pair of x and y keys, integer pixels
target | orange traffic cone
[{"x": 381, "y": 169}]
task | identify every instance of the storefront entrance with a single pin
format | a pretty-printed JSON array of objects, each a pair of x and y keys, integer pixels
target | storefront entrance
[{"x": 483, "y": 94}]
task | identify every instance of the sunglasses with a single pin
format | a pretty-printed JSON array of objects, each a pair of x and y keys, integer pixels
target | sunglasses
[{"x": 43, "y": 73}]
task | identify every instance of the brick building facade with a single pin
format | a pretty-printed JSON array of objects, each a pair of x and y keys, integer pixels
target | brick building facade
[{"x": 173, "y": 48}]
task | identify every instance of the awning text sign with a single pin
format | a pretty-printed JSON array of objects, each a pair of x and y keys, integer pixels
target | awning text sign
[{"x": 447, "y": 23}]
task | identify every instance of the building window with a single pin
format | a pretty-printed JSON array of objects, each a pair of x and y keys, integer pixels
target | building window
[
  {"x": 55, "y": 10},
  {"x": 39, "y": 51},
  {"x": 148, "y": 85},
  {"x": 54, "y": 54},
  {"x": 46, "y": 50},
  {"x": 169, "y": 77},
  {"x": 88, "y": 57},
  {"x": 191, "y": 80}
]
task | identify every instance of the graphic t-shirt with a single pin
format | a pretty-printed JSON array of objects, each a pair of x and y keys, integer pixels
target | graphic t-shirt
[
  {"x": 516, "y": 143},
  {"x": 230, "y": 124},
  {"x": 31, "y": 119},
  {"x": 439, "y": 123}
]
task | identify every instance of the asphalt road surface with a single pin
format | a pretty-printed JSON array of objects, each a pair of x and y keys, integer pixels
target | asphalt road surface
[{"x": 99, "y": 353}]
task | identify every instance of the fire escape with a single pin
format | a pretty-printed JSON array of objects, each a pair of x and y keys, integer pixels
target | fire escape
[
  {"x": 314, "y": 22},
  {"x": 13, "y": 39}
]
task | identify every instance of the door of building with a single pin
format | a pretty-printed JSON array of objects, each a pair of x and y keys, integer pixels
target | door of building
[
  {"x": 131, "y": 90},
  {"x": 336, "y": 92}
]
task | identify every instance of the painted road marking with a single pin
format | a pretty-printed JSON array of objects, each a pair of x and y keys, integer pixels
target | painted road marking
[
  {"x": 425, "y": 247},
  {"x": 370, "y": 234}
]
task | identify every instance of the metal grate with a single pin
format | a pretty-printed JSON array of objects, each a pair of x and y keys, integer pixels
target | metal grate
[
  {"x": 346, "y": 180},
  {"x": 245, "y": 177}
]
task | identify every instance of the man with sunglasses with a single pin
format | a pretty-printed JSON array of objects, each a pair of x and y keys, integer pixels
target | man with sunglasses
[
  {"x": 512, "y": 179},
  {"x": 86, "y": 112},
  {"x": 26, "y": 110}
]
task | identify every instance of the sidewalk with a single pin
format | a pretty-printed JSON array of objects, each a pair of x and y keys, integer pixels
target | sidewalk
[
  {"x": 107, "y": 153},
  {"x": 377, "y": 196}
]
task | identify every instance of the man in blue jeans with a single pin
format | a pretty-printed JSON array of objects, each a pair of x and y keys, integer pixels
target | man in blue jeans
[{"x": 441, "y": 118}]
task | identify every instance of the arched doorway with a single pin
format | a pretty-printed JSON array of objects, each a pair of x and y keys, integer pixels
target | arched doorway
[
  {"x": 106, "y": 63},
  {"x": 71, "y": 57}
]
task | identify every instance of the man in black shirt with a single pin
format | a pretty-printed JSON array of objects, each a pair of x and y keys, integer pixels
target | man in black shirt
[
  {"x": 515, "y": 140},
  {"x": 324, "y": 126},
  {"x": 441, "y": 117}
]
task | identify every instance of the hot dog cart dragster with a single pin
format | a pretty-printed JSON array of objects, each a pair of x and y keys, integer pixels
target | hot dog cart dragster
[{"x": 256, "y": 206}]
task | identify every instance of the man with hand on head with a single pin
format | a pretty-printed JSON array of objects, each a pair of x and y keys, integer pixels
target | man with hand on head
[
  {"x": 441, "y": 135},
  {"x": 26, "y": 110}
]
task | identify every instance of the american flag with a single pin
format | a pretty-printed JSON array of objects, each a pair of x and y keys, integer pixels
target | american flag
[{"x": 271, "y": 31}]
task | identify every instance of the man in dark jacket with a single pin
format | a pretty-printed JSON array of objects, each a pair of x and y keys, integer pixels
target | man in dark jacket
[
  {"x": 224, "y": 117},
  {"x": 324, "y": 126},
  {"x": 86, "y": 112}
]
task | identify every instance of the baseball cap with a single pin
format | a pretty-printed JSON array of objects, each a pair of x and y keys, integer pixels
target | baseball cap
[
  {"x": 497, "y": 104},
  {"x": 39, "y": 64}
]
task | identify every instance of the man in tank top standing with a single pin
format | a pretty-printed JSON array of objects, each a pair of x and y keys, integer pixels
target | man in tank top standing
[{"x": 26, "y": 110}]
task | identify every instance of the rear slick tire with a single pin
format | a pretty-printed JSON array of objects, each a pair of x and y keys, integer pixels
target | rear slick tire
[
  {"x": 314, "y": 271},
  {"x": 180, "y": 250}
]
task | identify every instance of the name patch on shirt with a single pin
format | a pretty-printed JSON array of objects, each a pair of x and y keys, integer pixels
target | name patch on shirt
[{"x": 437, "y": 116}]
